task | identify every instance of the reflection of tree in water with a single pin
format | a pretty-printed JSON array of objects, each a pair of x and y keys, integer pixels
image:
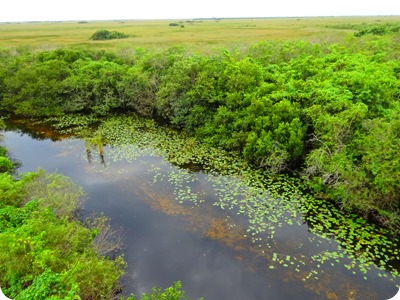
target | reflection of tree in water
[
  {"x": 43, "y": 131},
  {"x": 94, "y": 141},
  {"x": 36, "y": 130}
]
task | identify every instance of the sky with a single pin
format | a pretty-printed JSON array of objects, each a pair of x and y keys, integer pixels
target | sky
[{"x": 61, "y": 10}]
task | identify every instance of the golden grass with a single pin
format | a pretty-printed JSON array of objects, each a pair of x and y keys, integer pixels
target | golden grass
[{"x": 198, "y": 35}]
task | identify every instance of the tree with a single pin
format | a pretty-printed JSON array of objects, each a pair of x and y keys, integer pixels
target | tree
[{"x": 101, "y": 35}]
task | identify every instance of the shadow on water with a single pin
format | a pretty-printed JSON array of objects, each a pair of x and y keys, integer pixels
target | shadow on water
[
  {"x": 207, "y": 248},
  {"x": 35, "y": 130}
]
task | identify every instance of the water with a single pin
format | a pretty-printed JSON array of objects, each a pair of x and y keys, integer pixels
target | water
[{"x": 200, "y": 244}]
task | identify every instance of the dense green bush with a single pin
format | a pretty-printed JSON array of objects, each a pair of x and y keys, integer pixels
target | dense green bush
[
  {"x": 101, "y": 35},
  {"x": 45, "y": 252},
  {"x": 5, "y": 164},
  {"x": 3, "y": 151},
  {"x": 382, "y": 29}
]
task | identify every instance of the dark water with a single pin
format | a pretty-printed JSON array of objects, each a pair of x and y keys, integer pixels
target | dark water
[{"x": 167, "y": 241}]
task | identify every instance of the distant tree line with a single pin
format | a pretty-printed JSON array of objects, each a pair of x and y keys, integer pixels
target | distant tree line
[{"x": 369, "y": 29}]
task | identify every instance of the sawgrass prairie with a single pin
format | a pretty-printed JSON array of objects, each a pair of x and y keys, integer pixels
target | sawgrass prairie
[{"x": 202, "y": 35}]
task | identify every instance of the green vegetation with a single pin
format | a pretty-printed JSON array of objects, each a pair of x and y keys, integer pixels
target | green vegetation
[
  {"x": 199, "y": 36},
  {"x": 45, "y": 251},
  {"x": 173, "y": 292},
  {"x": 5, "y": 164},
  {"x": 364, "y": 28},
  {"x": 103, "y": 35},
  {"x": 327, "y": 112},
  {"x": 381, "y": 29}
]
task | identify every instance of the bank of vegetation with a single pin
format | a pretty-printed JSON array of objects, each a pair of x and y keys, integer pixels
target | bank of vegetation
[
  {"x": 329, "y": 113},
  {"x": 46, "y": 251}
]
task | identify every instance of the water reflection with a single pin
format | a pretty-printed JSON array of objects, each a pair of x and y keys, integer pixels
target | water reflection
[
  {"x": 202, "y": 245},
  {"x": 99, "y": 148}
]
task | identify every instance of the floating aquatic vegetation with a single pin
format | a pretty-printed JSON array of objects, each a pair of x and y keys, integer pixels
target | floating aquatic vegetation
[
  {"x": 270, "y": 204},
  {"x": 72, "y": 123}
]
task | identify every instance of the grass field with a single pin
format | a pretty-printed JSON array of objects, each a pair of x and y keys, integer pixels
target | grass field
[{"x": 199, "y": 35}]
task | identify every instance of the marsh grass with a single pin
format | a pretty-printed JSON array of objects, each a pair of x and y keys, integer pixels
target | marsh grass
[{"x": 200, "y": 35}]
